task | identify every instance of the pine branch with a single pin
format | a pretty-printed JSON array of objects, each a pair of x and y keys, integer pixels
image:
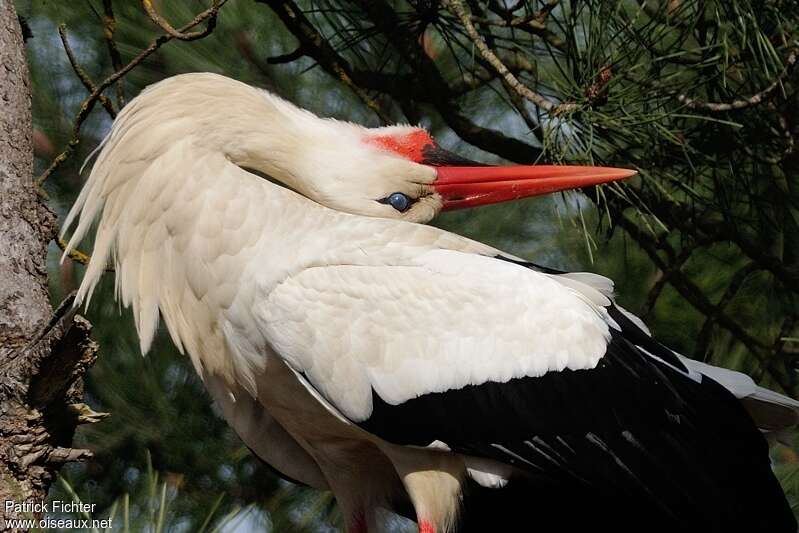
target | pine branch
[
  {"x": 88, "y": 103},
  {"x": 512, "y": 81},
  {"x": 743, "y": 103}
]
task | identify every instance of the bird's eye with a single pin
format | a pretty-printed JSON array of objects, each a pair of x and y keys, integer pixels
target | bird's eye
[{"x": 398, "y": 201}]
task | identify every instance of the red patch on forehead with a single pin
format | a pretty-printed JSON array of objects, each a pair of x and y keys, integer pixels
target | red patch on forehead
[{"x": 410, "y": 145}]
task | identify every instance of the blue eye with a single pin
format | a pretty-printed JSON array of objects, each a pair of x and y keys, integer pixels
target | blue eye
[{"x": 398, "y": 201}]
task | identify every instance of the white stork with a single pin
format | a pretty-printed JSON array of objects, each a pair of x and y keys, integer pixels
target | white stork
[{"x": 355, "y": 349}]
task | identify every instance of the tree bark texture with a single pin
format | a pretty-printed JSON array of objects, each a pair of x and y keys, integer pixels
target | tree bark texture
[{"x": 42, "y": 355}]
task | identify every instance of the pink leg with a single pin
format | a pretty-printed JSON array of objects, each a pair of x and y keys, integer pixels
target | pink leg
[
  {"x": 358, "y": 523},
  {"x": 426, "y": 527}
]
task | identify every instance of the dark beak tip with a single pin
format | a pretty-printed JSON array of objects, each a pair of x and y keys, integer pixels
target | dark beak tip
[
  {"x": 609, "y": 175},
  {"x": 625, "y": 174}
]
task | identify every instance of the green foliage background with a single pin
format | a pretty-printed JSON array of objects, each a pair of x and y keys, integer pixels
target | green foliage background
[{"x": 737, "y": 170}]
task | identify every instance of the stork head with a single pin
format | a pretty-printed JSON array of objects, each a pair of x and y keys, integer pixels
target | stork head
[
  {"x": 401, "y": 172},
  {"x": 429, "y": 179}
]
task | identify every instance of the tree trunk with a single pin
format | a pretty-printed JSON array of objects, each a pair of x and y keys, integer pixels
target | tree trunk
[{"x": 42, "y": 355}]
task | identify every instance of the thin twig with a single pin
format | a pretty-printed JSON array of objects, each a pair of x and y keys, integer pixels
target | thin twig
[
  {"x": 286, "y": 58},
  {"x": 81, "y": 74},
  {"x": 179, "y": 34},
  {"x": 480, "y": 75},
  {"x": 109, "y": 28},
  {"x": 538, "y": 16},
  {"x": 456, "y": 7},
  {"x": 785, "y": 133},
  {"x": 88, "y": 104},
  {"x": 534, "y": 23},
  {"x": 314, "y": 45},
  {"x": 674, "y": 265},
  {"x": 743, "y": 103},
  {"x": 76, "y": 255},
  {"x": 701, "y": 350}
]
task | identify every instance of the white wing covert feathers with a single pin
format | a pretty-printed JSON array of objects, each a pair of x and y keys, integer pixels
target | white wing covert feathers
[{"x": 443, "y": 320}]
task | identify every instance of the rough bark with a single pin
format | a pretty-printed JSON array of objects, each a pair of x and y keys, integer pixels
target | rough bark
[{"x": 42, "y": 355}]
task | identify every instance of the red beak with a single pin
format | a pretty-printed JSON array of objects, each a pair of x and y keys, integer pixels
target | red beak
[{"x": 471, "y": 186}]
